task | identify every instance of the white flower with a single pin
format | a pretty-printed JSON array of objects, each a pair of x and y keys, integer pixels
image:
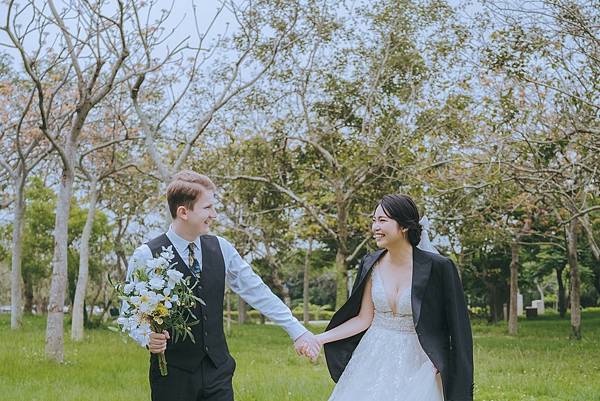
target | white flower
[
  {"x": 135, "y": 300},
  {"x": 167, "y": 253},
  {"x": 140, "y": 286},
  {"x": 169, "y": 301},
  {"x": 128, "y": 288},
  {"x": 141, "y": 334},
  {"x": 157, "y": 283},
  {"x": 152, "y": 264},
  {"x": 175, "y": 277},
  {"x": 149, "y": 300},
  {"x": 167, "y": 291}
]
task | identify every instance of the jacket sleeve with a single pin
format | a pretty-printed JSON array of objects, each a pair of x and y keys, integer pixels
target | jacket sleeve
[{"x": 460, "y": 369}]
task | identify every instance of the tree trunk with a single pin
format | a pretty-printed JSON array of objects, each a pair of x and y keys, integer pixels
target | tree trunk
[
  {"x": 28, "y": 295},
  {"x": 279, "y": 284},
  {"x": 514, "y": 276},
  {"x": 596, "y": 273},
  {"x": 58, "y": 284},
  {"x": 228, "y": 311},
  {"x": 562, "y": 304},
  {"x": 496, "y": 301},
  {"x": 241, "y": 310},
  {"x": 287, "y": 300},
  {"x": 84, "y": 258},
  {"x": 587, "y": 227},
  {"x": 514, "y": 289},
  {"x": 16, "y": 279},
  {"x": 341, "y": 268},
  {"x": 341, "y": 279},
  {"x": 540, "y": 290},
  {"x": 575, "y": 280},
  {"x": 305, "y": 300}
]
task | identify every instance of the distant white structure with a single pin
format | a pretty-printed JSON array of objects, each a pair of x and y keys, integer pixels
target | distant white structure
[
  {"x": 539, "y": 304},
  {"x": 520, "y": 310}
]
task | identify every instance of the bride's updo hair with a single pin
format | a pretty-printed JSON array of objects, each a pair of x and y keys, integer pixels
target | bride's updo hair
[{"x": 403, "y": 209}]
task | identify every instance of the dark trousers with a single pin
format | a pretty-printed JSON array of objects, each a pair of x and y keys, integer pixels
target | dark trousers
[{"x": 208, "y": 383}]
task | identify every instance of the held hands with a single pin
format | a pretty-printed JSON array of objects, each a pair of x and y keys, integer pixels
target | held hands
[
  {"x": 158, "y": 342},
  {"x": 308, "y": 345}
]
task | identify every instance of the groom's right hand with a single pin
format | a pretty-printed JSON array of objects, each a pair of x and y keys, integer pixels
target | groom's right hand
[
  {"x": 158, "y": 342},
  {"x": 308, "y": 345}
]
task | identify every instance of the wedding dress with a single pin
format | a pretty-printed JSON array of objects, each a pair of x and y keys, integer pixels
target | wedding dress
[{"x": 389, "y": 363}]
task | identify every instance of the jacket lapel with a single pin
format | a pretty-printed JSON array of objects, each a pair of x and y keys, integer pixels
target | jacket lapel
[
  {"x": 421, "y": 273},
  {"x": 370, "y": 260}
]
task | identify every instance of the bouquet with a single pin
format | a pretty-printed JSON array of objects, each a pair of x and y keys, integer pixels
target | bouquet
[{"x": 155, "y": 298}]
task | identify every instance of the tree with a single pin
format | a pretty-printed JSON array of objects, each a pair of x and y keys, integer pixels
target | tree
[
  {"x": 347, "y": 121},
  {"x": 72, "y": 68},
  {"x": 174, "y": 122},
  {"x": 23, "y": 148},
  {"x": 104, "y": 157}
]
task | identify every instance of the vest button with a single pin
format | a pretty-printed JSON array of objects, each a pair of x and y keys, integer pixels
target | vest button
[
  {"x": 205, "y": 318},
  {"x": 206, "y": 333},
  {"x": 206, "y": 348}
]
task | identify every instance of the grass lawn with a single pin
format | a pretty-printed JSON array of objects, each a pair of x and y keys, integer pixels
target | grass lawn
[{"x": 540, "y": 364}]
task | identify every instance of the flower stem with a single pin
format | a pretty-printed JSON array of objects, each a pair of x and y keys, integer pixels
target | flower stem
[
  {"x": 162, "y": 364},
  {"x": 162, "y": 359}
]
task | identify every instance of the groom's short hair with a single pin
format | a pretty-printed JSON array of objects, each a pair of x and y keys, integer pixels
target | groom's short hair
[{"x": 185, "y": 188}]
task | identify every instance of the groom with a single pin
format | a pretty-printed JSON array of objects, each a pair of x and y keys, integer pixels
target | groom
[{"x": 203, "y": 371}]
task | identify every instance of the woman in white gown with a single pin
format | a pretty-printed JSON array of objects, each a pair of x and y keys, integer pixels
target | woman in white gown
[{"x": 375, "y": 345}]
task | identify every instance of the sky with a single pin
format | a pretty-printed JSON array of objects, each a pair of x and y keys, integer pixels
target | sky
[{"x": 181, "y": 18}]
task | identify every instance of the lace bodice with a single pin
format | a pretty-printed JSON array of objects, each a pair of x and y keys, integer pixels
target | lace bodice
[{"x": 384, "y": 316}]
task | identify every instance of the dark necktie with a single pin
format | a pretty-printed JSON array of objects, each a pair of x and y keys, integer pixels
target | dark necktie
[{"x": 192, "y": 261}]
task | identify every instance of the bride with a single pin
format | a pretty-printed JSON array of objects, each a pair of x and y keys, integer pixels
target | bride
[{"x": 404, "y": 334}]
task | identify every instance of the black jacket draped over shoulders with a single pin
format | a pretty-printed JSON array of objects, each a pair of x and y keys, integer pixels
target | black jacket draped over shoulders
[{"x": 440, "y": 316}]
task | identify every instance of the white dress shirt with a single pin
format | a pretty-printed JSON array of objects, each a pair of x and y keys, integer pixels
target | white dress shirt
[{"x": 239, "y": 276}]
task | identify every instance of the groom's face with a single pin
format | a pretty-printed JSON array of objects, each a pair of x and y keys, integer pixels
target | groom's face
[{"x": 202, "y": 215}]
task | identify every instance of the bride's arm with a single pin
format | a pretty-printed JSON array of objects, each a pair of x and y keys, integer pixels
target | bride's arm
[{"x": 355, "y": 325}]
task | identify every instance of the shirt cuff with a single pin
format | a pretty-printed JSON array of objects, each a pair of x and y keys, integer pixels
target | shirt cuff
[{"x": 296, "y": 331}]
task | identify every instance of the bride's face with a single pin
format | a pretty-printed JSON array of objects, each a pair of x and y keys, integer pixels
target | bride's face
[{"x": 386, "y": 230}]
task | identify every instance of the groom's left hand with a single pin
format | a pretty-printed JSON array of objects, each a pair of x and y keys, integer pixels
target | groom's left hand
[{"x": 308, "y": 345}]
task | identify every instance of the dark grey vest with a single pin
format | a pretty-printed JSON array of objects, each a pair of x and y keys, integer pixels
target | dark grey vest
[{"x": 209, "y": 336}]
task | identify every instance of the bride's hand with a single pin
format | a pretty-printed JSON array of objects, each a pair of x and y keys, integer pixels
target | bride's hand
[
  {"x": 307, "y": 345},
  {"x": 320, "y": 339}
]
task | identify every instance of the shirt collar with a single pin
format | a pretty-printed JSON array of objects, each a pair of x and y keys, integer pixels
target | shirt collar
[{"x": 180, "y": 243}]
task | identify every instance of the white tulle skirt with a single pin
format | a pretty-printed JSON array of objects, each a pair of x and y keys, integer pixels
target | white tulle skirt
[{"x": 389, "y": 365}]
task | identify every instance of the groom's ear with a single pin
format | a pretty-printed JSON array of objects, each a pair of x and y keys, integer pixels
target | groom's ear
[{"x": 182, "y": 212}]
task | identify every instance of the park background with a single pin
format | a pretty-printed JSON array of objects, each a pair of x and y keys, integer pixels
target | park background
[{"x": 304, "y": 113}]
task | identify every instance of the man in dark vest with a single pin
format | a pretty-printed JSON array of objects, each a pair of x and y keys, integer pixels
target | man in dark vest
[{"x": 203, "y": 370}]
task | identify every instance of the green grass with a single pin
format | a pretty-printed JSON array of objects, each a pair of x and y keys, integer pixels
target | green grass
[{"x": 540, "y": 364}]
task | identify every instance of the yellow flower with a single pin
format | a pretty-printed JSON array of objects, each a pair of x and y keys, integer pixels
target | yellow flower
[{"x": 161, "y": 310}]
